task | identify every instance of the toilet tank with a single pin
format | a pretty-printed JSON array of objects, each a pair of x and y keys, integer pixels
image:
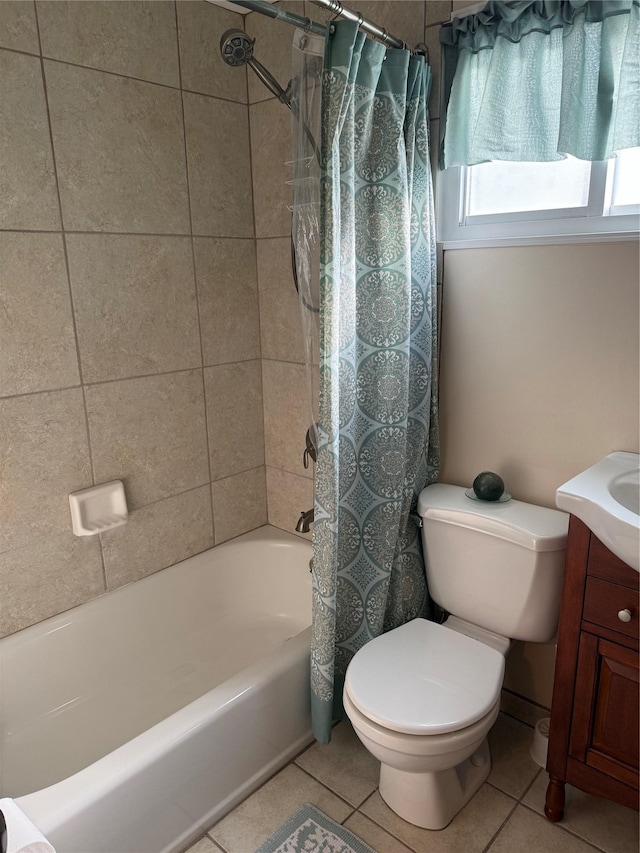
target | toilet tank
[{"x": 497, "y": 565}]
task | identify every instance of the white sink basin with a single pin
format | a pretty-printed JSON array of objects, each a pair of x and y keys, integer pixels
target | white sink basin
[{"x": 606, "y": 497}]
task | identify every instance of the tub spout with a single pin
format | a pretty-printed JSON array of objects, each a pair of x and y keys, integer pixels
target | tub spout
[{"x": 305, "y": 521}]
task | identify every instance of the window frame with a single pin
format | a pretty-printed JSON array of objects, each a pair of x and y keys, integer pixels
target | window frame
[{"x": 596, "y": 221}]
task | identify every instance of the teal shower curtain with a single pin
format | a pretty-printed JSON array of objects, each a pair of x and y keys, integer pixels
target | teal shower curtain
[{"x": 378, "y": 434}]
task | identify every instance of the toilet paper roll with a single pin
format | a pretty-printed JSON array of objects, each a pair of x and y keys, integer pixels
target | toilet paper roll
[
  {"x": 21, "y": 834},
  {"x": 540, "y": 742}
]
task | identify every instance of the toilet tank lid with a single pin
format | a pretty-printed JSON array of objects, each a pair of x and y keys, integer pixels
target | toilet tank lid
[{"x": 537, "y": 528}]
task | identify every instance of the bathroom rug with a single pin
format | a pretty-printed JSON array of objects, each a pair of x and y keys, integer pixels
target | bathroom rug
[{"x": 310, "y": 830}]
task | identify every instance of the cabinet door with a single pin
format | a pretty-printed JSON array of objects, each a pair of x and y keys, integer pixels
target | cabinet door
[{"x": 605, "y": 718}]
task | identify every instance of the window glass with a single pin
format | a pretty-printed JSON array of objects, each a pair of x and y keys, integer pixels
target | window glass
[
  {"x": 502, "y": 187},
  {"x": 626, "y": 178}
]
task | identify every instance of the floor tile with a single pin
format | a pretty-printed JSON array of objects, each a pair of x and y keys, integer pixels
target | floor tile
[
  {"x": 470, "y": 830},
  {"x": 254, "y": 820},
  {"x": 609, "y": 826},
  {"x": 512, "y": 769},
  {"x": 205, "y": 845},
  {"x": 528, "y": 832},
  {"x": 374, "y": 835},
  {"x": 344, "y": 765}
]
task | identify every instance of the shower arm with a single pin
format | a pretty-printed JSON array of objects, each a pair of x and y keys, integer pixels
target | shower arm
[
  {"x": 338, "y": 10},
  {"x": 270, "y": 82}
]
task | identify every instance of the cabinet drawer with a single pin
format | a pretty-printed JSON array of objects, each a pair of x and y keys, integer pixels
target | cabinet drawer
[
  {"x": 606, "y": 566},
  {"x": 602, "y": 603}
]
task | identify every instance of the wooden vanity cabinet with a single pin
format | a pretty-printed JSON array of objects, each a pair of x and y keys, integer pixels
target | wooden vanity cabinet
[{"x": 593, "y": 736}]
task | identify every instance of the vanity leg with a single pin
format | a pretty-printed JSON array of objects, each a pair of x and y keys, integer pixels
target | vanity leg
[{"x": 554, "y": 801}]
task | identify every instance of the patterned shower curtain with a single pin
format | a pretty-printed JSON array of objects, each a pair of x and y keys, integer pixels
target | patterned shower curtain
[{"x": 378, "y": 438}]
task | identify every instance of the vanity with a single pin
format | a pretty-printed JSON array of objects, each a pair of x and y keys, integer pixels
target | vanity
[{"x": 593, "y": 737}]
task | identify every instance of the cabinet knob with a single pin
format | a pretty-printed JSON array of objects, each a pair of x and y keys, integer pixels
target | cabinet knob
[{"x": 624, "y": 615}]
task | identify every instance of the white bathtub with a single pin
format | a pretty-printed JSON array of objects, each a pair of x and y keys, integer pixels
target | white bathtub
[{"x": 132, "y": 723}]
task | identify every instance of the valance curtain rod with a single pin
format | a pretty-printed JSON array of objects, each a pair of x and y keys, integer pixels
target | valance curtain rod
[{"x": 313, "y": 26}]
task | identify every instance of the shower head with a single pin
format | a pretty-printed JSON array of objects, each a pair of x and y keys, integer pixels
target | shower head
[{"x": 236, "y": 47}]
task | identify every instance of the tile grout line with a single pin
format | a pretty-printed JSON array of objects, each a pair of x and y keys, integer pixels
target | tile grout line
[
  {"x": 69, "y": 287},
  {"x": 168, "y": 234},
  {"x": 195, "y": 275},
  {"x": 506, "y": 820},
  {"x": 257, "y": 280},
  {"x": 566, "y": 829},
  {"x": 132, "y": 378},
  {"x": 132, "y": 77}
]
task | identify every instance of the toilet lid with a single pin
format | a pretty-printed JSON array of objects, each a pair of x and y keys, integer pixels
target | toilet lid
[{"x": 424, "y": 678}]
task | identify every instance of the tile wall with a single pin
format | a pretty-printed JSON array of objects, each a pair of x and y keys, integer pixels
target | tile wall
[
  {"x": 149, "y": 330},
  {"x": 130, "y": 329}
]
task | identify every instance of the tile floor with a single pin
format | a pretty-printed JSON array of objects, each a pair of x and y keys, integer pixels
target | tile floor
[{"x": 504, "y": 816}]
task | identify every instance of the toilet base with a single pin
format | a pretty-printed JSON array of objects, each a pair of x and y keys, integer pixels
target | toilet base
[{"x": 431, "y": 800}]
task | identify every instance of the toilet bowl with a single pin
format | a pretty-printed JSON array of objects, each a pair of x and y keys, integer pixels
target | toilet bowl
[{"x": 423, "y": 697}]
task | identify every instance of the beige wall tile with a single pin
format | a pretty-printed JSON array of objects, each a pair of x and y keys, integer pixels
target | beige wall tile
[
  {"x": 149, "y": 433},
  {"x": 437, "y": 11},
  {"x": 131, "y": 37},
  {"x": 28, "y": 195},
  {"x": 18, "y": 29},
  {"x": 201, "y": 26},
  {"x": 239, "y": 504},
  {"x": 270, "y": 149},
  {"x": 157, "y": 536},
  {"x": 119, "y": 152},
  {"x": 286, "y": 415},
  {"x": 135, "y": 304},
  {"x": 47, "y": 577},
  {"x": 435, "y": 52},
  {"x": 44, "y": 455},
  {"x": 234, "y": 417},
  {"x": 38, "y": 350},
  {"x": 280, "y": 322},
  {"x": 287, "y": 496},
  {"x": 228, "y": 299},
  {"x": 272, "y": 48},
  {"x": 219, "y": 172},
  {"x": 402, "y": 18}
]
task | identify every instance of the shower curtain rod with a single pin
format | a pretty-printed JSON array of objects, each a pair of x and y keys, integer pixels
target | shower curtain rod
[{"x": 334, "y": 6}]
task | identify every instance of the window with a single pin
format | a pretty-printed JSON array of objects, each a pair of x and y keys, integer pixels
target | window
[{"x": 568, "y": 200}]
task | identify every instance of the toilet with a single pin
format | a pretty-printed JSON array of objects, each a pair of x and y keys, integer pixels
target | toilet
[{"x": 423, "y": 697}]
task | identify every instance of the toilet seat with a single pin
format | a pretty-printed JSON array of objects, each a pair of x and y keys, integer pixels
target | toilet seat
[{"x": 423, "y": 678}]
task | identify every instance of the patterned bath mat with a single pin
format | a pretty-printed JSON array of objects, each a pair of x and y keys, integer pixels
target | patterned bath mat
[{"x": 311, "y": 831}]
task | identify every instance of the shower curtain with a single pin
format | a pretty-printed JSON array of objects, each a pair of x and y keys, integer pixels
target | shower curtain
[{"x": 377, "y": 429}]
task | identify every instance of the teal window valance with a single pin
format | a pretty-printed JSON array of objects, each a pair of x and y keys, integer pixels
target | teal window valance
[{"x": 535, "y": 80}]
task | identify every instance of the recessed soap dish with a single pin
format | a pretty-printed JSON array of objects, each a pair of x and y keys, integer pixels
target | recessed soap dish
[{"x": 98, "y": 508}]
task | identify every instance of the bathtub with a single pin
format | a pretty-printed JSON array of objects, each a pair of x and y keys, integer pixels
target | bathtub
[{"x": 132, "y": 723}]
